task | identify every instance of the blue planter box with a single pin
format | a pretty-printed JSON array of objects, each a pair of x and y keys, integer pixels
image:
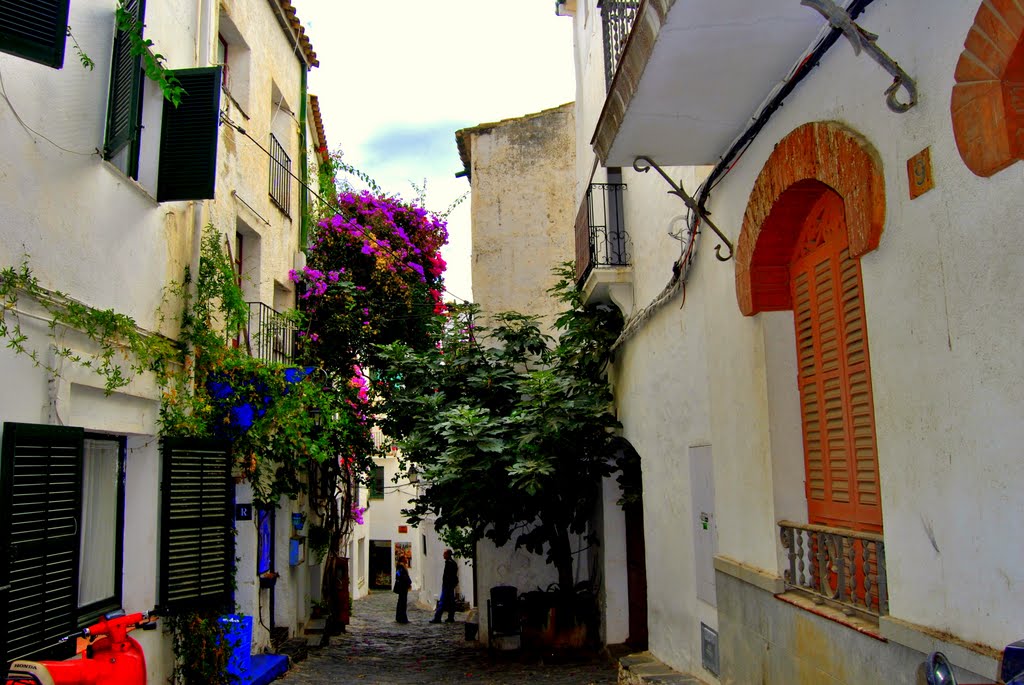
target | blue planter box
[{"x": 239, "y": 637}]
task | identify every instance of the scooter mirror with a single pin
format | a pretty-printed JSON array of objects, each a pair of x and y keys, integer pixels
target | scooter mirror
[{"x": 938, "y": 671}]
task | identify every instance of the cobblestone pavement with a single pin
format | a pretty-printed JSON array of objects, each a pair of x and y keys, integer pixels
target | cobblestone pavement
[{"x": 377, "y": 651}]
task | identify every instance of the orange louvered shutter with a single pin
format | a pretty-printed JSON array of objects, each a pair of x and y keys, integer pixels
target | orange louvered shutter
[{"x": 840, "y": 456}]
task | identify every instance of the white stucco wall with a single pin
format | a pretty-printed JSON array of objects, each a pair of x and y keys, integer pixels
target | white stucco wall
[
  {"x": 101, "y": 237},
  {"x": 945, "y": 343}
]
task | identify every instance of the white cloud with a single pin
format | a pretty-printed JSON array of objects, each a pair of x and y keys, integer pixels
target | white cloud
[{"x": 406, "y": 67}]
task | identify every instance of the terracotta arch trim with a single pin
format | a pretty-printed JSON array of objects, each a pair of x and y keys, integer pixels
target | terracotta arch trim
[
  {"x": 987, "y": 103},
  {"x": 829, "y": 154}
]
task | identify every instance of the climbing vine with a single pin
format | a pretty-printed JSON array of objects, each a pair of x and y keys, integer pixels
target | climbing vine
[
  {"x": 124, "y": 348},
  {"x": 201, "y": 649},
  {"x": 152, "y": 62}
]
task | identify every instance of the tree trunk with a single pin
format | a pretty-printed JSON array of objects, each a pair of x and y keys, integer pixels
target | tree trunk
[{"x": 561, "y": 556}]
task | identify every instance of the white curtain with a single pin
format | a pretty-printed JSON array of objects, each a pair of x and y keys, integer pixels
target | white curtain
[{"x": 100, "y": 474}]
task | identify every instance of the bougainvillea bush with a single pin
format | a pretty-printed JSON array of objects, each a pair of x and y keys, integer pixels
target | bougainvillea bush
[{"x": 374, "y": 275}]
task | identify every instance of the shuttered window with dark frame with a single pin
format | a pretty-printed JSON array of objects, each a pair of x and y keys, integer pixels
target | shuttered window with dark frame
[
  {"x": 188, "y": 142},
  {"x": 40, "y": 499},
  {"x": 196, "y": 526},
  {"x": 35, "y": 30},
  {"x": 124, "y": 108}
]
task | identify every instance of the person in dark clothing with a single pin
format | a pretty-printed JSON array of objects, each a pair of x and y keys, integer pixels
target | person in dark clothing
[
  {"x": 449, "y": 580},
  {"x": 402, "y": 584}
]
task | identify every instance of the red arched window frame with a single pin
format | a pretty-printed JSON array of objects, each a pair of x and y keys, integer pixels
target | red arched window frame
[{"x": 817, "y": 206}]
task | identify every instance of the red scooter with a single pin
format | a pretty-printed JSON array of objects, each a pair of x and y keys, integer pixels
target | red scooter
[{"x": 111, "y": 656}]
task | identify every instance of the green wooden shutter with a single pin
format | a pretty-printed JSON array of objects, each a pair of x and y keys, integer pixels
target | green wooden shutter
[
  {"x": 34, "y": 30},
  {"x": 188, "y": 139},
  {"x": 41, "y": 502},
  {"x": 197, "y": 531},
  {"x": 124, "y": 109}
]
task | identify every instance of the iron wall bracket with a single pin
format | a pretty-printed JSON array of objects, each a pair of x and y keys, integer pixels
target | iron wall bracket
[
  {"x": 864, "y": 40},
  {"x": 645, "y": 164}
]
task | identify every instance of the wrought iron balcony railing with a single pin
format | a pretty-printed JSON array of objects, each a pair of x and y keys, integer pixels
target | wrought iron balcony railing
[
  {"x": 838, "y": 567},
  {"x": 269, "y": 336},
  {"x": 601, "y": 239},
  {"x": 617, "y": 18},
  {"x": 280, "y": 176}
]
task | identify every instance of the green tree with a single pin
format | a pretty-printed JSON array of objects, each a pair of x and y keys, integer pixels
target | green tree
[{"x": 512, "y": 431}]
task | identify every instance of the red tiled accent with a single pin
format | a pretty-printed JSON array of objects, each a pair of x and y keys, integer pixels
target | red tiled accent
[
  {"x": 812, "y": 156},
  {"x": 987, "y": 101}
]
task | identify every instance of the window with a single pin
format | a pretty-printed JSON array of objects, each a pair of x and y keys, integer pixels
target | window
[
  {"x": 188, "y": 140},
  {"x": 62, "y": 491},
  {"x": 34, "y": 30},
  {"x": 124, "y": 109},
  {"x": 377, "y": 483},
  {"x": 40, "y": 499},
  {"x": 280, "y": 176},
  {"x": 196, "y": 524},
  {"x": 102, "y": 527},
  {"x": 235, "y": 56},
  {"x": 833, "y": 373},
  {"x": 264, "y": 540},
  {"x": 222, "y": 60},
  {"x": 186, "y": 164}
]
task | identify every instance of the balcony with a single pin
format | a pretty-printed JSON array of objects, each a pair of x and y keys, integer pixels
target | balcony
[
  {"x": 837, "y": 567},
  {"x": 690, "y": 73},
  {"x": 269, "y": 336},
  {"x": 617, "y": 18},
  {"x": 603, "y": 268}
]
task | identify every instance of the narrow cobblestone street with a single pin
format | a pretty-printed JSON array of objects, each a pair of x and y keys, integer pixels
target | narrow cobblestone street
[{"x": 377, "y": 651}]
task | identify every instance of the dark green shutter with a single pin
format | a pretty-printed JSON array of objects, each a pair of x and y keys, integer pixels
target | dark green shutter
[
  {"x": 197, "y": 550},
  {"x": 188, "y": 138},
  {"x": 124, "y": 110},
  {"x": 41, "y": 502},
  {"x": 34, "y": 29}
]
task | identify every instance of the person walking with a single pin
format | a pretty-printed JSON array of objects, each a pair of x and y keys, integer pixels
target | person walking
[
  {"x": 402, "y": 584},
  {"x": 449, "y": 580}
]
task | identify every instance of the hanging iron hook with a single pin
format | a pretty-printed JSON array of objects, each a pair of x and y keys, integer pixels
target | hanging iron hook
[
  {"x": 644, "y": 164},
  {"x": 861, "y": 39}
]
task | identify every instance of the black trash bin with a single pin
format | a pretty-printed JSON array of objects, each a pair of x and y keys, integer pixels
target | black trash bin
[{"x": 502, "y": 613}]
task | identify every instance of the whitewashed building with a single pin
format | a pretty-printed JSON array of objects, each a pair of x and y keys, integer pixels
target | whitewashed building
[
  {"x": 823, "y": 384},
  {"x": 106, "y": 190}
]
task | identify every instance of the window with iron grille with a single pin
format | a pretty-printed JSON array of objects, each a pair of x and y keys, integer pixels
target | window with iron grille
[
  {"x": 196, "y": 524},
  {"x": 35, "y": 30},
  {"x": 280, "y": 176}
]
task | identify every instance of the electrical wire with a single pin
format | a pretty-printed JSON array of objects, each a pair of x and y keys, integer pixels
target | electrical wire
[
  {"x": 728, "y": 162},
  {"x": 3, "y": 94},
  {"x": 385, "y": 248}
]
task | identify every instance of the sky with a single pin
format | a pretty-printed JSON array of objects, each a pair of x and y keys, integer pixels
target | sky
[{"x": 398, "y": 78}]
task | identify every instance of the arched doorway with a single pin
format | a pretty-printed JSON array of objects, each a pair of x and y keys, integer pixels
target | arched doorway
[{"x": 817, "y": 207}]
